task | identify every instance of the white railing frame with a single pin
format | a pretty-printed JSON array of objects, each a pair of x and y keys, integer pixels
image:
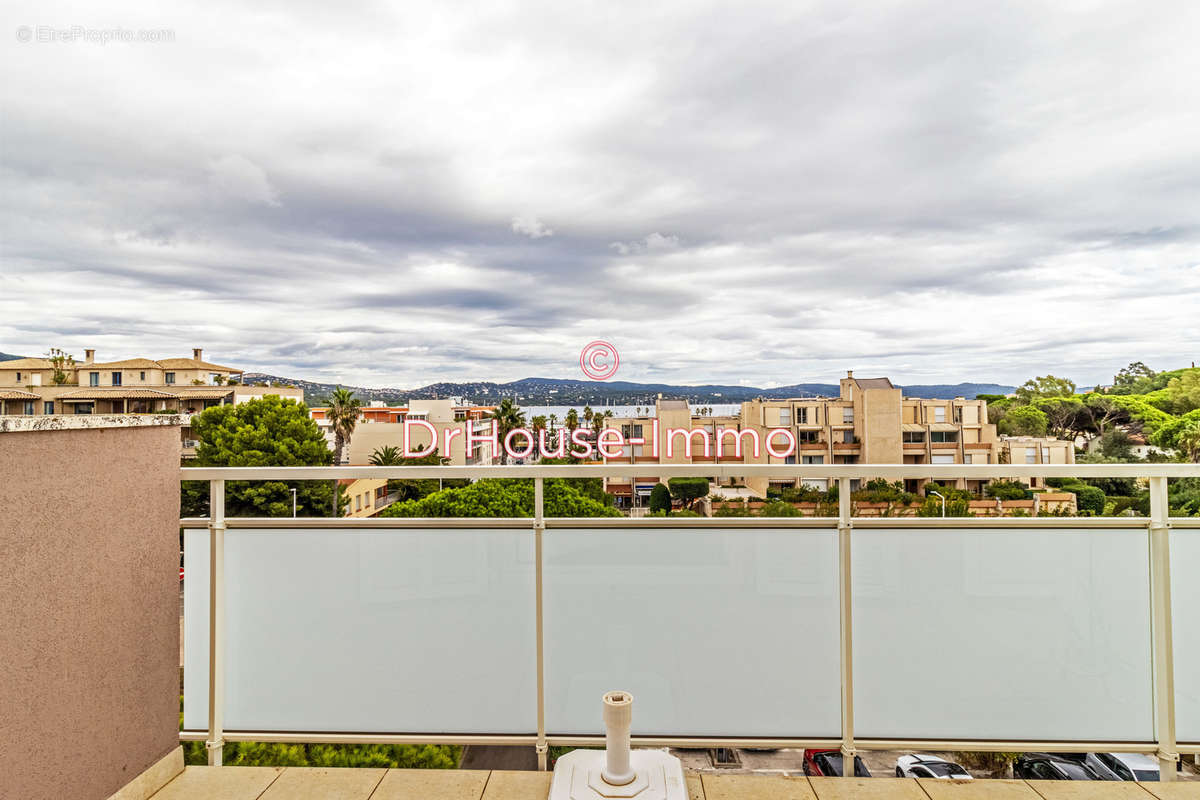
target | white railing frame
[{"x": 1157, "y": 525}]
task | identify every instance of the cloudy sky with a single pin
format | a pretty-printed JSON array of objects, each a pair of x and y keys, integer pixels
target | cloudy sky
[{"x": 761, "y": 193}]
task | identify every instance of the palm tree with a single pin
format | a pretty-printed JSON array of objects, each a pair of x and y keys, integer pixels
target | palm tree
[
  {"x": 553, "y": 423},
  {"x": 386, "y": 456},
  {"x": 508, "y": 417},
  {"x": 572, "y": 420},
  {"x": 588, "y": 414},
  {"x": 1189, "y": 442},
  {"x": 538, "y": 423},
  {"x": 343, "y": 413}
]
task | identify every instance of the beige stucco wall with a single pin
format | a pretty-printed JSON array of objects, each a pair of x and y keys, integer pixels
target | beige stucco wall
[{"x": 89, "y": 601}]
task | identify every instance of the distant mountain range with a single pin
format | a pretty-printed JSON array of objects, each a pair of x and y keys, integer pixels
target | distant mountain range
[
  {"x": 558, "y": 392},
  {"x": 9, "y": 357}
]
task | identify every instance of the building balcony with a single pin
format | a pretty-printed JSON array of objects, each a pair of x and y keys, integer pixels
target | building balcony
[{"x": 501, "y": 631}]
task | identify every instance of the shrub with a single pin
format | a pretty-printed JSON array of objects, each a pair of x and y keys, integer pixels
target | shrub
[
  {"x": 1088, "y": 499},
  {"x": 660, "y": 498},
  {"x": 1008, "y": 490}
]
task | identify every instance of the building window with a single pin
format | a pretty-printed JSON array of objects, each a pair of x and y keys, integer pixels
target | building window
[
  {"x": 142, "y": 377},
  {"x": 939, "y": 414},
  {"x": 29, "y": 407},
  {"x": 812, "y": 459},
  {"x": 808, "y": 437},
  {"x": 169, "y": 377},
  {"x": 802, "y": 416},
  {"x": 48, "y": 407},
  {"x": 943, "y": 436},
  {"x": 116, "y": 379},
  {"x": 847, "y": 416},
  {"x": 848, "y": 437},
  {"x": 1045, "y": 455},
  {"x": 785, "y": 416},
  {"x": 789, "y": 459},
  {"x": 84, "y": 408},
  {"x": 93, "y": 379},
  {"x": 942, "y": 460},
  {"x": 1030, "y": 455},
  {"x": 358, "y": 502},
  {"x": 914, "y": 437},
  {"x": 18, "y": 377}
]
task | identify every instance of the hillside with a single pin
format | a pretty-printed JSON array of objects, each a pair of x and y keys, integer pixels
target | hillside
[
  {"x": 555, "y": 391},
  {"x": 9, "y": 357}
]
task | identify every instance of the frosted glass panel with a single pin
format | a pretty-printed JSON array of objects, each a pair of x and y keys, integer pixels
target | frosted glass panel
[
  {"x": 1021, "y": 634},
  {"x": 715, "y": 632},
  {"x": 1185, "y": 600},
  {"x": 402, "y": 630}
]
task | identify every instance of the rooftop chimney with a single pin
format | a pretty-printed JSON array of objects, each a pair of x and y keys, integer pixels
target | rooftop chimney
[
  {"x": 89, "y": 356},
  {"x": 849, "y": 373},
  {"x": 197, "y": 353}
]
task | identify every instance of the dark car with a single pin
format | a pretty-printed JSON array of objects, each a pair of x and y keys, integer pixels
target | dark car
[
  {"x": 1050, "y": 767},
  {"x": 829, "y": 763}
]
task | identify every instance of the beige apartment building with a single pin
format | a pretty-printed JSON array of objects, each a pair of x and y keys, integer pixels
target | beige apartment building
[
  {"x": 128, "y": 386},
  {"x": 870, "y": 422}
]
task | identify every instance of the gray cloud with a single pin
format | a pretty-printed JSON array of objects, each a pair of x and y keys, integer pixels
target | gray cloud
[{"x": 770, "y": 193}]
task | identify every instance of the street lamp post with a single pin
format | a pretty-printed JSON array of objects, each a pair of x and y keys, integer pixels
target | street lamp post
[{"x": 936, "y": 494}]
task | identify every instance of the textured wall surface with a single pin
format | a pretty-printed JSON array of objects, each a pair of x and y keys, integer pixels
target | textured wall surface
[{"x": 89, "y": 608}]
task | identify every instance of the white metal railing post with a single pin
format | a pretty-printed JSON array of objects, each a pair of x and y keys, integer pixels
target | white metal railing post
[
  {"x": 1160, "y": 594},
  {"x": 847, "y": 627},
  {"x": 216, "y": 621},
  {"x": 539, "y": 527}
]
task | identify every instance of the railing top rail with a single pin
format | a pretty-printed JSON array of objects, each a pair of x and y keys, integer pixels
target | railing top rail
[{"x": 862, "y": 471}]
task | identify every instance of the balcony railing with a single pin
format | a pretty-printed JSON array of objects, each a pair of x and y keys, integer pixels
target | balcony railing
[{"x": 1003, "y": 634}]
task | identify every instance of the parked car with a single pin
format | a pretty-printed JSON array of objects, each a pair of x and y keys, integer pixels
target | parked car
[
  {"x": 829, "y": 763},
  {"x": 1126, "y": 766},
  {"x": 1056, "y": 767},
  {"x": 922, "y": 766}
]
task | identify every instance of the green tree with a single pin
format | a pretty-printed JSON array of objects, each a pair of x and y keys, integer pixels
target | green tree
[
  {"x": 1024, "y": 421},
  {"x": 688, "y": 490},
  {"x": 264, "y": 432},
  {"x": 660, "y": 498},
  {"x": 508, "y": 418},
  {"x": 343, "y": 413},
  {"x": 1116, "y": 444},
  {"x": 1188, "y": 441},
  {"x": 1132, "y": 375},
  {"x": 1044, "y": 386},
  {"x": 1184, "y": 392},
  {"x": 60, "y": 362},
  {"x": 493, "y": 497},
  {"x": 571, "y": 421}
]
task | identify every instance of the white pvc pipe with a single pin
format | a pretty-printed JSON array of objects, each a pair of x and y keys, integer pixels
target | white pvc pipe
[{"x": 618, "y": 717}]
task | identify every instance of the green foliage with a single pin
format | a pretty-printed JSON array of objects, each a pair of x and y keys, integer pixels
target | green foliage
[
  {"x": 502, "y": 498},
  {"x": 1135, "y": 375},
  {"x": 508, "y": 418},
  {"x": 1116, "y": 444},
  {"x": 778, "y": 508},
  {"x": 60, "y": 362},
  {"x": 1088, "y": 499},
  {"x": 1023, "y": 421},
  {"x": 1044, "y": 386},
  {"x": 688, "y": 490},
  {"x": 264, "y": 432},
  {"x": 1184, "y": 392},
  {"x": 1008, "y": 490},
  {"x": 660, "y": 498}
]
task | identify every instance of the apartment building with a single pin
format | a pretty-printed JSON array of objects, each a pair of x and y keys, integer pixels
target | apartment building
[
  {"x": 128, "y": 386},
  {"x": 381, "y": 426},
  {"x": 869, "y": 422}
]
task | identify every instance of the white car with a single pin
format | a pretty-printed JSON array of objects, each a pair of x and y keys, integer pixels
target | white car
[
  {"x": 1129, "y": 766},
  {"x": 922, "y": 766}
]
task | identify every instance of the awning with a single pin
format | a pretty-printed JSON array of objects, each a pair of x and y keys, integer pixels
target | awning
[
  {"x": 16, "y": 394},
  {"x": 943, "y": 426},
  {"x": 115, "y": 393},
  {"x": 909, "y": 427}
]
